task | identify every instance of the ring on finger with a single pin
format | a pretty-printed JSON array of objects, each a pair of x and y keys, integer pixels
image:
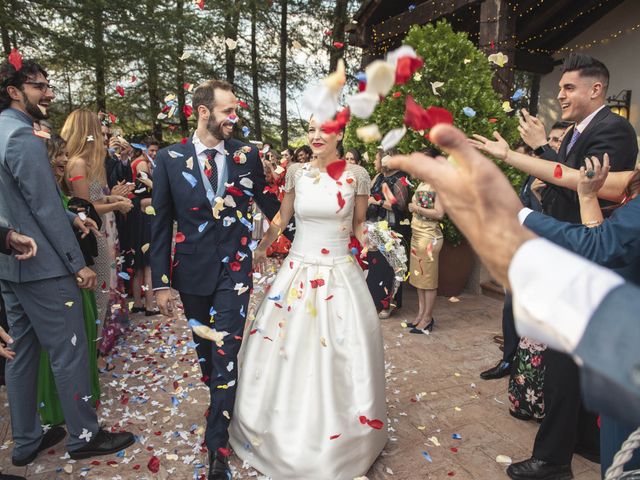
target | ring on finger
[{"x": 591, "y": 173}]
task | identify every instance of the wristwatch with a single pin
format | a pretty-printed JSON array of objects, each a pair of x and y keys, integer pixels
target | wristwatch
[{"x": 541, "y": 150}]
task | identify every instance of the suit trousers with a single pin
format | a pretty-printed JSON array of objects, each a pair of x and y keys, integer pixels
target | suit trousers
[
  {"x": 219, "y": 364},
  {"x": 47, "y": 314},
  {"x": 566, "y": 425},
  {"x": 511, "y": 337}
]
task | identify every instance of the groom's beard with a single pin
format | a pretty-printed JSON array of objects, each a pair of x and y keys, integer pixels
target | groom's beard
[{"x": 216, "y": 130}]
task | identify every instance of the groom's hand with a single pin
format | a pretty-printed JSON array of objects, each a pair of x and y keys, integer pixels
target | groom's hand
[{"x": 165, "y": 304}]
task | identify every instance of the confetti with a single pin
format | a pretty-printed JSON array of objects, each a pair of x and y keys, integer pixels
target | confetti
[
  {"x": 15, "y": 59},
  {"x": 557, "y": 171},
  {"x": 427, "y": 457},
  {"x": 150, "y": 210},
  {"x": 469, "y": 112}
]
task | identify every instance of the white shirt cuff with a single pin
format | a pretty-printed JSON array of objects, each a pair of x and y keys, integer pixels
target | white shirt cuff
[
  {"x": 556, "y": 292},
  {"x": 523, "y": 214}
]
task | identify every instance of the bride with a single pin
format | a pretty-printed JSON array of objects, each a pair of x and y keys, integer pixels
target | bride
[{"x": 311, "y": 394}]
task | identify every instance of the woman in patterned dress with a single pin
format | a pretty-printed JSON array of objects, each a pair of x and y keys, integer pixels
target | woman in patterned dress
[{"x": 86, "y": 178}]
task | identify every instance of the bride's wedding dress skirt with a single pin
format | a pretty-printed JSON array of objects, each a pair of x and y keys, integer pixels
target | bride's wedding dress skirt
[{"x": 311, "y": 395}]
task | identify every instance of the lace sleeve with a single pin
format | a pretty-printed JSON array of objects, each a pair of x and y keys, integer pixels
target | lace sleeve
[
  {"x": 363, "y": 182},
  {"x": 291, "y": 176}
]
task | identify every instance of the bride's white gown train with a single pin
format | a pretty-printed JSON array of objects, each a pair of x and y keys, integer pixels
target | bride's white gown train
[{"x": 311, "y": 394}]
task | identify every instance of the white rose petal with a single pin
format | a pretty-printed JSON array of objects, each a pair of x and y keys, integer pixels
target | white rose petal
[
  {"x": 403, "y": 51},
  {"x": 362, "y": 104},
  {"x": 393, "y": 137},
  {"x": 231, "y": 43},
  {"x": 381, "y": 76}
]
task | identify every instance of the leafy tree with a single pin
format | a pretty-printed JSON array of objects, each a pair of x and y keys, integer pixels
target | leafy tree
[{"x": 466, "y": 74}]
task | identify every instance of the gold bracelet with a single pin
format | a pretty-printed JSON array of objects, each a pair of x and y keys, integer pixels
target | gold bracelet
[{"x": 592, "y": 223}]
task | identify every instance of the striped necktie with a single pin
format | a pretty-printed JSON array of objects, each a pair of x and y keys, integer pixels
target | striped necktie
[{"x": 574, "y": 139}]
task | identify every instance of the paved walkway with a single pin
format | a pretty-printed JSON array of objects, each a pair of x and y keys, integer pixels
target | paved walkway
[{"x": 433, "y": 392}]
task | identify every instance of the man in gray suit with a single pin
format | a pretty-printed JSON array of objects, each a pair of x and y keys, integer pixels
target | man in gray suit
[{"x": 41, "y": 294}]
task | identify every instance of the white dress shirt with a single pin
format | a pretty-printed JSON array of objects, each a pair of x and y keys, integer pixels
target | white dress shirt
[
  {"x": 556, "y": 292},
  {"x": 584, "y": 123},
  {"x": 220, "y": 164}
]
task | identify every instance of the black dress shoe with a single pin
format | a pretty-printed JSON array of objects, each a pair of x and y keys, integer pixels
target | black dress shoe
[
  {"x": 6, "y": 476},
  {"x": 104, "y": 443},
  {"x": 502, "y": 369},
  {"x": 49, "y": 439},
  {"x": 591, "y": 454},
  {"x": 534, "y": 469},
  {"x": 218, "y": 467}
]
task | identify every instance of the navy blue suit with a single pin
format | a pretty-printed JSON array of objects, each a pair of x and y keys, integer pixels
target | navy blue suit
[
  {"x": 211, "y": 268},
  {"x": 614, "y": 244},
  {"x": 567, "y": 425}
]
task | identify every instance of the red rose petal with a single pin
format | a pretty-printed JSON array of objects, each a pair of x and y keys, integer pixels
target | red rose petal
[
  {"x": 188, "y": 110},
  {"x": 76, "y": 178},
  {"x": 225, "y": 452},
  {"x": 557, "y": 172},
  {"x": 15, "y": 59},
  {"x": 324, "y": 251},
  {"x": 376, "y": 424},
  {"x": 454, "y": 449},
  {"x": 335, "y": 169},
  {"x": 406, "y": 67},
  {"x": 184, "y": 140},
  {"x": 333, "y": 437},
  {"x": 338, "y": 44},
  {"x": 120, "y": 90},
  {"x": 341, "y": 201},
  {"x": 180, "y": 237},
  {"x": 235, "y": 266},
  {"x": 154, "y": 464},
  {"x": 329, "y": 297},
  {"x": 235, "y": 191},
  {"x": 363, "y": 419}
]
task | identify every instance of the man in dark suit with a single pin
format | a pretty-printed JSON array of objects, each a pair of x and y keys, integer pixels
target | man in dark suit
[
  {"x": 567, "y": 426},
  {"x": 207, "y": 184},
  {"x": 41, "y": 294},
  {"x": 599, "y": 327}
]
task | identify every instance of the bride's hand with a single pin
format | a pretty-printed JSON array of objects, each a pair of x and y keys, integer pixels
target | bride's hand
[{"x": 260, "y": 260}]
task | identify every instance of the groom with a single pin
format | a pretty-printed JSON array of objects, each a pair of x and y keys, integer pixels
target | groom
[{"x": 207, "y": 185}]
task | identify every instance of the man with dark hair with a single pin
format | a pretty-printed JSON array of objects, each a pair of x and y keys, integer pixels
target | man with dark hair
[
  {"x": 207, "y": 185},
  {"x": 44, "y": 307},
  {"x": 152, "y": 148},
  {"x": 567, "y": 426}
]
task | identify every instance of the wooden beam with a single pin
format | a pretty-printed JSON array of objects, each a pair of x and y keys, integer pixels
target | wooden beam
[
  {"x": 422, "y": 14},
  {"x": 547, "y": 15},
  {"x": 533, "y": 62},
  {"x": 497, "y": 26},
  {"x": 359, "y": 34}
]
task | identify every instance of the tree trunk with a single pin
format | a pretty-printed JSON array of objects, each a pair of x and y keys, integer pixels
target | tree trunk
[
  {"x": 99, "y": 55},
  {"x": 257, "y": 122},
  {"x": 284, "y": 37},
  {"x": 497, "y": 27},
  {"x": 231, "y": 31},
  {"x": 152, "y": 73},
  {"x": 339, "y": 24},
  {"x": 180, "y": 75}
]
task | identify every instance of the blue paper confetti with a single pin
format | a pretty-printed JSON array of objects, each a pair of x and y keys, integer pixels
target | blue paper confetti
[
  {"x": 190, "y": 178},
  {"x": 361, "y": 76},
  {"x": 242, "y": 313},
  {"x": 202, "y": 226},
  {"x": 517, "y": 95},
  {"x": 427, "y": 457},
  {"x": 175, "y": 401},
  {"x": 456, "y": 436},
  {"x": 212, "y": 312},
  {"x": 124, "y": 275},
  {"x": 247, "y": 224},
  {"x": 412, "y": 7},
  {"x": 276, "y": 298},
  {"x": 469, "y": 112},
  {"x": 246, "y": 131}
]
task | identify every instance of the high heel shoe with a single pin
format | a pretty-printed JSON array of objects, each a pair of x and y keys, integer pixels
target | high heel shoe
[{"x": 430, "y": 324}]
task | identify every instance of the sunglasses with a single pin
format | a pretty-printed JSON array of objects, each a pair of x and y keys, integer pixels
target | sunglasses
[{"x": 42, "y": 86}]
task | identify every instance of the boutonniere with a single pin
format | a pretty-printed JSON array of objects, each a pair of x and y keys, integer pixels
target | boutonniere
[{"x": 240, "y": 156}]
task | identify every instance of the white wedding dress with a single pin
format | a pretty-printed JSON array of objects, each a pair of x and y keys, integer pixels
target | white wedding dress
[{"x": 311, "y": 394}]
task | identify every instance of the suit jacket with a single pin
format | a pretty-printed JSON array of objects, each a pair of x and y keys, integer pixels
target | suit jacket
[
  {"x": 614, "y": 244},
  {"x": 4, "y": 231},
  {"x": 204, "y": 243},
  {"x": 610, "y": 369},
  {"x": 30, "y": 202},
  {"x": 606, "y": 133}
]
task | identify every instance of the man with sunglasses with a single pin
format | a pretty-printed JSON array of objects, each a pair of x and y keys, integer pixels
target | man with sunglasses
[{"x": 44, "y": 306}]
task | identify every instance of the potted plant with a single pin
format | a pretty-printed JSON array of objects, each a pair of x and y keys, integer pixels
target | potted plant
[{"x": 456, "y": 75}]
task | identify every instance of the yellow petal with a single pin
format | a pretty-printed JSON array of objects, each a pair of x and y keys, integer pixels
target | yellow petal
[
  {"x": 381, "y": 77},
  {"x": 144, "y": 248},
  {"x": 165, "y": 279},
  {"x": 150, "y": 210},
  {"x": 337, "y": 79},
  {"x": 369, "y": 133}
]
